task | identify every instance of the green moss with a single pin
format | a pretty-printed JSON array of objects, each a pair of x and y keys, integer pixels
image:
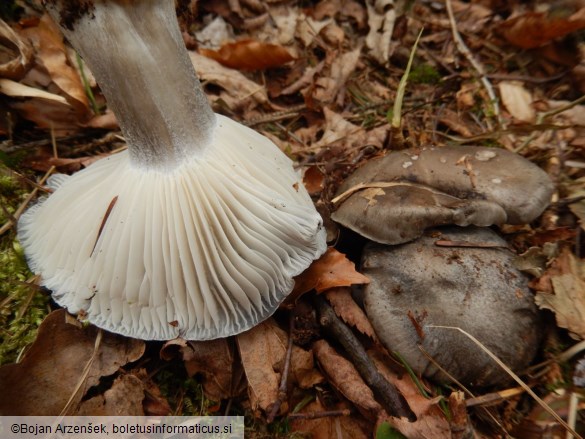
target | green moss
[
  {"x": 184, "y": 394},
  {"x": 22, "y": 306},
  {"x": 424, "y": 74}
]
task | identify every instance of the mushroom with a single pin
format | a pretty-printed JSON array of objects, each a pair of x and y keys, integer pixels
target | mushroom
[
  {"x": 198, "y": 229},
  {"x": 394, "y": 198},
  {"x": 471, "y": 285}
]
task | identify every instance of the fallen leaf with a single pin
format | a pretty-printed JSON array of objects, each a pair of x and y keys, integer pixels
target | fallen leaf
[
  {"x": 535, "y": 29},
  {"x": 308, "y": 29},
  {"x": 331, "y": 270},
  {"x": 51, "y": 55},
  {"x": 262, "y": 350},
  {"x": 567, "y": 277},
  {"x": 213, "y": 360},
  {"x": 517, "y": 100},
  {"x": 124, "y": 398},
  {"x": 237, "y": 90},
  {"x": 46, "y": 378},
  {"x": 430, "y": 421},
  {"x": 314, "y": 180},
  {"x": 18, "y": 90},
  {"x": 331, "y": 427},
  {"x": 349, "y": 311},
  {"x": 327, "y": 88},
  {"x": 344, "y": 376},
  {"x": 16, "y": 53},
  {"x": 249, "y": 54},
  {"x": 381, "y": 20}
]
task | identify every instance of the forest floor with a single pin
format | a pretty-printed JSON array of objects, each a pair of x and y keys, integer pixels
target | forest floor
[{"x": 322, "y": 80}]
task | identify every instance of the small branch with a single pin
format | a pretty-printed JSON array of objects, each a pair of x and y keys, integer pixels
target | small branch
[
  {"x": 389, "y": 397},
  {"x": 275, "y": 408},
  {"x": 315, "y": 415},
  {"x": 462, "y": 47}
]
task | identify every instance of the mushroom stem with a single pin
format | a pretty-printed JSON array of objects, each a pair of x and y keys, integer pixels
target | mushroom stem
[{"x": 135, "y": 46}]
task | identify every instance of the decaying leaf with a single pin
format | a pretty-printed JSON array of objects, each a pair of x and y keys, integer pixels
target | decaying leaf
[
  {"x": 381, "y": 20},
  {"x": 430, "y": 420},
  {"x": 56, "y": 363},
  {"x": 52, "y": 59},
  {"x": 349, "y": 311},
  {"x": 263, "y": 350},
  {"x": 313, "y": 179},
  {"x": 332, "y": 270},
  {"x": 331, "y": 427},
  {"x": 567, "y": 277},
  {"x": 535, "y": 29},
  {"x": 214, "y": 361},
  {"x": 328, "y": 87},
  {"x": 16, "y": 54},
  {"x": 124, "y": 398},
  {"x": 237, "y": 90},
  {"x": 344, "y": 376},
  {"x": 249, "y": 54},
  {"x": 517, "y": 100}
]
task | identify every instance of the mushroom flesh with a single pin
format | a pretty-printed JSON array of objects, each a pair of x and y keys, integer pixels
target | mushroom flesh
[{"x": 198, "y": 229}]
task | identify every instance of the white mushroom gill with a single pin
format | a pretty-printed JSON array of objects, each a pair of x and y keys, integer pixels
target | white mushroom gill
[{"x": 198, "y": 229}]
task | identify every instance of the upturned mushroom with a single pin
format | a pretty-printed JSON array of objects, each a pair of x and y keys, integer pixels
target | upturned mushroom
[
  {"x": 197, "y": 230},
  {"x": 394, "y": 198}
]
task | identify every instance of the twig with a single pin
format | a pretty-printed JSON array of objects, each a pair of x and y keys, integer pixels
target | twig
[
  {"x": 275, "y": 408},
  {"x": 462, "y": 47},
  {"x": 274, "y": 117},
  {"x": 541, "y": 117},
  {"x": 389, "y": 397},
  {"x": 516, "y": 378},
  {"x": 324, "y": 414},
  {"x": 24, "y": 204}
]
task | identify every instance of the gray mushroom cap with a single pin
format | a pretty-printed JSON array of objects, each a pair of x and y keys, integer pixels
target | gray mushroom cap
[
  {"x": 418, "y": 285},
  {"x": 393, "y": 199}
]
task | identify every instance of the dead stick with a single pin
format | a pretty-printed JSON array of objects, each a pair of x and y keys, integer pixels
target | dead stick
[
  {"x": 389, "y": 397},
  {"x": 275, "y": 408},
  {"x": 316, "y": 415}
]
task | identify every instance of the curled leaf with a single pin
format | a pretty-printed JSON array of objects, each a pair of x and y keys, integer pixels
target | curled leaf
[{"x": 249, "y": 54}]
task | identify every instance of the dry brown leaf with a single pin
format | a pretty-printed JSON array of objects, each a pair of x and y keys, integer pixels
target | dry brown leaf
[
  {"x": 42, "y": 383},
  {"x": 430, "y": 421},
  {"x": 327, "y": 88},
  {"x": 344, "y": 376},
  {"x": 314, "y": 180},
  {"x": 331, "y": 270},
  {"x": 567, "y": 277},
  {"x": 124, "y": 398},
  {"x": 238, "y": 91},
  {"x": 214, "y": 361},
  {"x": 349, "y": 311},
  {"x": 16, "y": 54},
  {"x": 17, "y": 90},
  {"x": 381, "y": 20},
  {"x": 535, "y": 29},
  {"x": 331, "y": 427},
  {"x": 517, "y": 100},
  {"x": 263, "y": 350},
  {"x": 51, "y": 55},
  {"x": 249, "y": 54},
  {"x": 455, "y": 122}
]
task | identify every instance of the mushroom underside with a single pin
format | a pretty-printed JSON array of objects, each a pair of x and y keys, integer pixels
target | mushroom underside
[{"x": 202, "y": 251}]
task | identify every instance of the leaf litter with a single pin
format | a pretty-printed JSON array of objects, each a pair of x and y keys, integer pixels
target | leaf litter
[{"x": 321, "y": 81}]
